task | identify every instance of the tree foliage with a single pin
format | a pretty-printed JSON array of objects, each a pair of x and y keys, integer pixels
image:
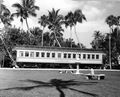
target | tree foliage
[
  {"x": 25, "y": 9},
  {"x": 101, "y": 41},
  {"x": 71, "y": 20}
]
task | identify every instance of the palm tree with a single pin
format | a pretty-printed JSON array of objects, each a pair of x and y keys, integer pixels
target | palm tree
[
  {"x": 55, "y": 22},
  {"x": 78, "y": 18},
  {"x": 57, "y": 35},
  {"x": 118, "y": 24},
  {"x": 25, "y": 9},
  {"x": 6, "y": 19},
  {"x": 5, "y": 16},
  {"x": 111, "y": 21},
  {"x": 69, "y": 21},
  {"x": 19, "y": 13},
  {"x": 43, "y": 21},
  {"x": 3, "y": 8},
  {"x": 98, "y": 39}
]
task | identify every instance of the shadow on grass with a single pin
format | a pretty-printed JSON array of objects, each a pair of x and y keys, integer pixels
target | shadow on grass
[{"x": 58, "y": 84}]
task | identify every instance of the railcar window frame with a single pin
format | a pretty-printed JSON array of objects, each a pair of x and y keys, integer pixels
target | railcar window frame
[
  {"x": 21, "y": 53},
  {"x": 93, "y": 56},
  {"x": 27, "y": 52},
  {"x": 74, "y": 56},
  {"x": 84, "y": 56},
  {"x": 69, "y": 55},
  {"x": 97, "y": 56},
  {"x": 88, "y": 56},
  {"x": 65, "y": 55},
  {"x": 59, "y": 55},
  {"x": 37, "y": 54},
  {"x": 42, "y": 54},
  {"x": 53, "y": 54},
  {"x": 48, "y": 54},
  {"x": 79, "y": 56},
  {"x": 31, "y": 54}
]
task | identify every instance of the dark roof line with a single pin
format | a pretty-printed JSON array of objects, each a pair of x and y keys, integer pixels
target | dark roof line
[{"x": 58, "y": 48}]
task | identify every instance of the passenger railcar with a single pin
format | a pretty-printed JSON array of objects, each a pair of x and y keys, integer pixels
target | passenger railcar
[{"x": 56, "y": 55}]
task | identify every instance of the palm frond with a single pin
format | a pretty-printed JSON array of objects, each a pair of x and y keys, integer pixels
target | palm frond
[
  {"x": 43, "y": 20},
  {"x": 24, "y": 3},
  {"x": 32, "y": 13},
  {"x": 112, "y": 20},
  {"x": 17, "y": 5},
  {"x": 15, "y": 14},
  {"x": 31, "y": 2},
  {"x": 35, "y": 8},
  {"x": 69, "y": 19},
  {"x": 57, "y": 12},
  {"x": 4, "y": 8},
  {"x": 79, "y": 16}
]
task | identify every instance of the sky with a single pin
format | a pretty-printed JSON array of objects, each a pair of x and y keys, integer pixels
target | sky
[{"x": 95, "y": 12}]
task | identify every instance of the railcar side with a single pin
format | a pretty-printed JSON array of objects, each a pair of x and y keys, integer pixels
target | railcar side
[{"x": 58, "y": 56}]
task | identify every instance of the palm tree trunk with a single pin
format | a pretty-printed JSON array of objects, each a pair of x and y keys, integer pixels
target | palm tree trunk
[
  {"x": 42, "y": 36},
  {"x": 56, "y": 39},
  {"x": 77, "y": 36},
  {"x": 111, "y": 31},
  {"x": 49, "y": 37},
  {"x": 71, "y": 37},
  {"x": 28, "y": 26},
  {"x": 54, "y": 43},
  {"x": 110, "y": 50},
  {"x": 3, "y": 61},
  {"x": 49, "y": 42},
  {"x": 8, "y": 51},
  {"x": 21, "y": 26}
]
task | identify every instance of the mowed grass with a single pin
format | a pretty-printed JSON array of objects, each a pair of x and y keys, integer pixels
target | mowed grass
[{"x": 50, "y": 83}]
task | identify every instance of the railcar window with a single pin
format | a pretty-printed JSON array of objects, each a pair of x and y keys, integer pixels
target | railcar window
[
  {"x": 42, "y": 54},
  {"x": 84, "y": 56},
  {"x": 97, "y": 56},
  {"x": 53, "y": 55},
  {"x": 26, "y": 54},
  {"x": 31, "y": 54},
  {"x": 93, "y": 56},
  {"x": 65, "y": 55},
  {"x": 59, "y": 55},
  {"x": 74, "y": 55},
  {"x": 79, "y": 56},
  {"x": 88, "y": 56},
  {"x": 21, "y": 54},
  {"x": 37, "y": 54},
  {"x": 69, "y": 55},
  {"x": 48, "y": 54}
]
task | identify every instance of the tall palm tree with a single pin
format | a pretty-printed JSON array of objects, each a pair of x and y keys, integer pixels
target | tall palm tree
[
  {"x": 69, "y": 21},
  {"x": 55, "y": 22},
  {"x": 43, "y": 21},
  {"x": 28, "y": 8},
  {"x": 19, "y": 13},
  {"x": 78, "y": 18},
  {"x": 111, "y": 21},
  {"x": 6, "y": 19}
]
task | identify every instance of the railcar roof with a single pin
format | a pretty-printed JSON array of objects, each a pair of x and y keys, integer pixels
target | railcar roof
[{"x": 46, "y": 48}]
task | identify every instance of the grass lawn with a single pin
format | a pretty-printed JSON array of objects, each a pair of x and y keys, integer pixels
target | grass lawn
[{"x": 41, "y": 83}]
